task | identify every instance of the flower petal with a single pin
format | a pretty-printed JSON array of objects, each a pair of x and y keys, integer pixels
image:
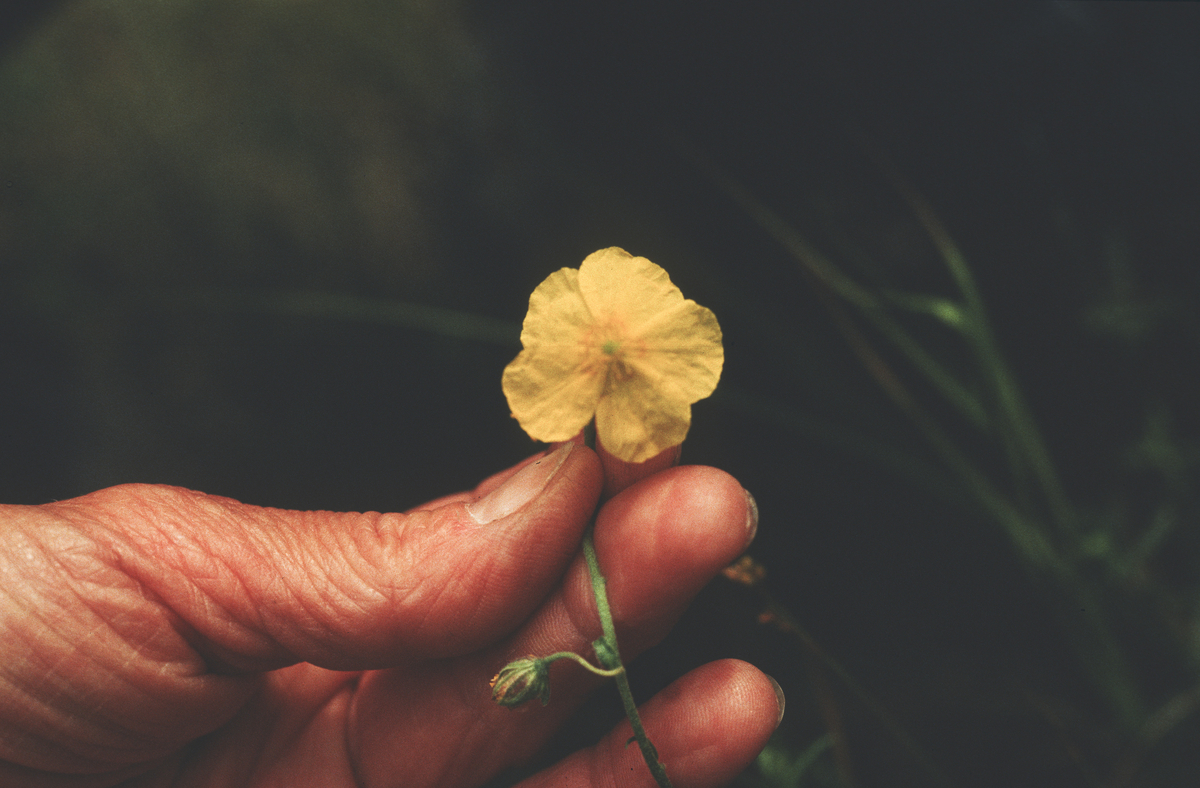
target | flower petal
[
  {"x": 634, "y": 423},
  {"x": 614, "y": 283},
  {"x": 548, "y": 385},
  {"x": 681, "y": 352}
]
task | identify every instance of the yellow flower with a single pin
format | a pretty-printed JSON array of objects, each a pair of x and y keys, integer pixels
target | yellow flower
[{"x": 614, "y": 339}]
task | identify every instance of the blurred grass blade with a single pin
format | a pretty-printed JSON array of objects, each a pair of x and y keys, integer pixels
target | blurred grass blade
[
  {"x": 780, "y": 769},
  {"x": 942, "y": 309},
  {"x": 1030, "y": 447},
  {"x": 867, "y": 303},
  {"x": 342, "y": 306}
]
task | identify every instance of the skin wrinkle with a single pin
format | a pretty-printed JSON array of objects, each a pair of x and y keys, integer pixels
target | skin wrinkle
[
  {"x": 318, "y": 614},
  {"x": 384, "y": 535},
  {"x": 297, "y": 582},
  {"x": 360, "y": 553},
  {"x": 44, "y": 718},
  {"x": 356, "y": 595},
  {"x": 454, "y": 589},
  {"x": 198, "y": 566},
  {"x": 481, "y": 571},
  {"x": 61, "y": 711},
  {"x": 415, "y": 593},
  {"x": 419, "y": 589},
  {"x": 115, "y": 728},
  {"x": 265, "y": 593},
  {"x": 304, "y": 581},
  {"x": 52, "y": 627},
  {"x": 269, "y": 602},
  {"x": 143, "y": 643},
  {"x": 316, "y": 591},
  {"x": 392, "y": 533},
  {"x": 426, "y": 605},
  {"x": 188, "y": 578}
]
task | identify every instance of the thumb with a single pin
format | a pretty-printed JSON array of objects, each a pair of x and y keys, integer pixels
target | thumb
[{"x": 256, "y": 588}]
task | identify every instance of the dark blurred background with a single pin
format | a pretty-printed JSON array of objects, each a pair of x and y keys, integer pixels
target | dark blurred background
[{"x": 281, "y": 251}]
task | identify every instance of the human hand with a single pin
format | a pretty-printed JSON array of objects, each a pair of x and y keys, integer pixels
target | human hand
[{"x": 158, "y": 636}]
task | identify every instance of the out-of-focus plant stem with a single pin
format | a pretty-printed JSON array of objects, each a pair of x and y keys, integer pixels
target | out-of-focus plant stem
[{"x": 1009, "y": 420}]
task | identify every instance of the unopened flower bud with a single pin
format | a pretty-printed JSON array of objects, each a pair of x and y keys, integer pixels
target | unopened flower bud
[{"x": 522, "y": 680}]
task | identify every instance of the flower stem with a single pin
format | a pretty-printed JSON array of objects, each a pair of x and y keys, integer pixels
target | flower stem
[
  {"x": 610, "y": 657},
  {"x": 610, "y": 673}
]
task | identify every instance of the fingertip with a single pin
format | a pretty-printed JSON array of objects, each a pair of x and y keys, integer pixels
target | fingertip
[
  {"x": 719, "y": 718},
  {"x": 707, "y": 726},
  {"x": 721, "y": 504},
  {"x": 693, "y": 514},
  {"x": 661, "y": 540},
  {"x": 619, "y": 474}
]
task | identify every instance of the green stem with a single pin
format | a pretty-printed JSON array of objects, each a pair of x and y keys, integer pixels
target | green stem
[
  {"x": 610, "y": 657},
  {"x": 573, "y": 656}
]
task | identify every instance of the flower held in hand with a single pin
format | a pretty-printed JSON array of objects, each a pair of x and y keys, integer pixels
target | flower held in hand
[{"x": 616, "y": 340}]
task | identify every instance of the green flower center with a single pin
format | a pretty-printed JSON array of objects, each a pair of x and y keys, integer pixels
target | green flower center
[{"x": 610, "y": 347}]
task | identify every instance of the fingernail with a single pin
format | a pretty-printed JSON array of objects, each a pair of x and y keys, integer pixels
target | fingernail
[
  {"x": 751, "y": 516},
  {"x": 780, "y": 699},
  {"x": 519, "y": 490}
]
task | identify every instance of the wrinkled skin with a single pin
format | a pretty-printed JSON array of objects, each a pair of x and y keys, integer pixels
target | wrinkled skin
[{"x": 155, "y": 636}]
